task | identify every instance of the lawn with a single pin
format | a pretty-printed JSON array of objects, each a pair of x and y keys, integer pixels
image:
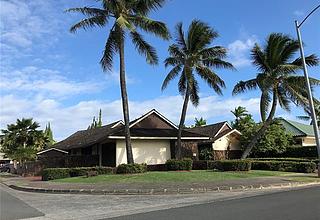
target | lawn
[{"x": 173, "y": 176}]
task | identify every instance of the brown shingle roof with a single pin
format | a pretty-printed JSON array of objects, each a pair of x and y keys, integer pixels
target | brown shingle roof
[
  {"x": 85, "y": 138},
  {"x": 208, "y": 130}
]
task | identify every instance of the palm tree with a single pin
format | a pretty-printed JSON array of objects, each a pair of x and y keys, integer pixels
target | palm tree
[
  {"x": 192, "y": 54},
  {"x": 308, "y": 117},
  {"x": 22, "y": 140},
  {"x": 276, "y": 79},
  {"x": 126, "y": 17},
  {"x": 199, "y": 122},
  {"x": 239, "y": 112}
]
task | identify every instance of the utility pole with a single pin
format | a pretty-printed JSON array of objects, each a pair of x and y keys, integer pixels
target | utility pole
[{"x": 310, "y": 97}]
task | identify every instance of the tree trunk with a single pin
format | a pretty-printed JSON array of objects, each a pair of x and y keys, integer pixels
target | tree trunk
[
  {"x": 263, "y": 129},
  {"x": 125, "y": 106},
  {"x": 181, "y": 124}
]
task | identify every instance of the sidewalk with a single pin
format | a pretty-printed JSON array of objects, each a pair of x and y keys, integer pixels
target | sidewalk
[{"x": 34, "y": 184}]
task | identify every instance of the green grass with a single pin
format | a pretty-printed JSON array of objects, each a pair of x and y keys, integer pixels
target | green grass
[{"x": 172, "y": 176}]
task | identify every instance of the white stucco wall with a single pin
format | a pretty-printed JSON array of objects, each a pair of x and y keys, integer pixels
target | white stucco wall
[
  {"x": 224, "y": 142},
  {"x": 144, "y": 151},
  {"x": 308, "y": 141}
]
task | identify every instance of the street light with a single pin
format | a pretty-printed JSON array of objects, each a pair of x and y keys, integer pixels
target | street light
[{"x": 311, "y": 105}]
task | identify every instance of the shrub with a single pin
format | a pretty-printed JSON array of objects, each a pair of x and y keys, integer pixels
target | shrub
[
  {"x": 157, "y": 167},
  {"x": 55, "y": 173},
  {"x": 59, "y": 173},
  {"x": 131, "y": 168},
  {"x": 200, "y": 164},
  {"x": 184, "y": 164},
  {"x": 230, "y": 165},
  {"x": 284, "y": 159},
  {"x": 287, "y": 166},
  {"x": 91, "y": 173},
  {"x": 300, "y": 151}
]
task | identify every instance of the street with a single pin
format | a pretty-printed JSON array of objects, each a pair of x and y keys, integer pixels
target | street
[
  {"x": 291, "y": 205},
  {"x": 252, "y": 204}
]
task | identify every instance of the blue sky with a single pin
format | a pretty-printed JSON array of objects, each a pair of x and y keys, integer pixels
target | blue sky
[{"x": 52, "y": 75}]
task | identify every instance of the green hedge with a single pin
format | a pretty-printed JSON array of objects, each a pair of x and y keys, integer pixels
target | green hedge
[
  {"x": 300, "y": 151},
  {"x": 287, "y": 166},
  {"x": 131, "y": 168},
  {"x": 230, "y": 165},
  {"x": 283, "y": 159},
  {"x": 184, "y": 164},
  {"x": 60, "y": 173}
]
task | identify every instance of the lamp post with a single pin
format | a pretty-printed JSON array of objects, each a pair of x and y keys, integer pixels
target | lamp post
[{"x": 311, "y": 105}]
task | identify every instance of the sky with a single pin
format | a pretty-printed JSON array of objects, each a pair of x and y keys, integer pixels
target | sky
[{"x": 52, "y": 75}]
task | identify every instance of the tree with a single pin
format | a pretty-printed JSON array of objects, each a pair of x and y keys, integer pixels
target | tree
[
  {"x": 49, "y": 135},
  {"x": 276, "y": 79},
  {"x": 199, "y": 122},
  {"x": 96, "y": 123},
  {"x": 124, "y": 17},
  {"x": 21, "y": 141},
  {"x": 239, "y": 112},
  {"x": 308, "y": 112},
  {"x": 190, "y": 54},
  {"x": 275, "y": 141}
]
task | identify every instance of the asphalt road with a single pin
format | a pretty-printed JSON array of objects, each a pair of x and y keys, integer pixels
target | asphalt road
[
  {"x": 303, "y": 204},
  {"x": 12, "y": 208}
]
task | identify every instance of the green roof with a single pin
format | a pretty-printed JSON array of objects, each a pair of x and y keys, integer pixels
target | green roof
[{"x": 297, "y": 128}]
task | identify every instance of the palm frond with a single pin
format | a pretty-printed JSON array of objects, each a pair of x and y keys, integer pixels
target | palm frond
[
  {"x": 111, "y": 47},
  {"x": 258, "y": 58},
  {"x": 145, "y": 6},
  {"x": 86, "y": 23},
  {"x": 171, "y": 75},
  {"x": 180, "y": 37},
  {"x": 157, "y": 28},
  {"x": 216, "y": 51},
  {"x": 218, "y": 63},
  {"x": 264, "y": 104},
  {"x": 88, "y": 11},
  {"x": 243, "y": 86},
  {"x": 144, "y": 48},
  {"x": 311, "y": 60},
  {"x": 211, "y": 78},
  {"x": 171, "y": 61}
]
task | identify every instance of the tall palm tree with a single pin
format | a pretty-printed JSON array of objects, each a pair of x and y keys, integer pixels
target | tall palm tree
[
  {"x": 308, "y": 116},
  {"x": 190, "y": 54},
  {"x": 126, "y": 17},
  {"x": 199, "y": 122},
  {"x": 277, "y": 79}
]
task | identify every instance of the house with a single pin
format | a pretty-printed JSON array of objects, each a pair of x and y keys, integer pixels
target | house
[
  {"x": 52, "y": 152},
  {"x": 153, "y": 139},
  {"x": 303, "y": 134},
  {"x": 224, "y": 140}
]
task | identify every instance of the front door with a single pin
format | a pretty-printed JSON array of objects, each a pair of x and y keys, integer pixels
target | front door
[{"x": 109, "y": 154}]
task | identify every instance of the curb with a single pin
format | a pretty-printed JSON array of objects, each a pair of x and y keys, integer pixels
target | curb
[{"x": 162, "y": 191}]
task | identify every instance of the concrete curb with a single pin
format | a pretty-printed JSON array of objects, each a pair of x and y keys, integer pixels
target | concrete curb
[{"x": 162, "y": 191}]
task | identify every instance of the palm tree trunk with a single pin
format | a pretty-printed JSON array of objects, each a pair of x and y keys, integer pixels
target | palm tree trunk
[
  {"x": 125, "y": 106},
  {"x": 263, "y": 129},
  {"x": 181, "y": 124}
]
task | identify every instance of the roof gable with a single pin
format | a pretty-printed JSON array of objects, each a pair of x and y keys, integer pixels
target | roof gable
[
  {"x": 296, "y": 128},
  {"x": 211, "y": 130},
  {"x": 153, "y": 120}
]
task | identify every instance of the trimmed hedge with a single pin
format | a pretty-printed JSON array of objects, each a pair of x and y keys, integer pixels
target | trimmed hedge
[
  {"x": 184, "y": 164},
  {"x": 60, "y": 173},
  {"x": 301, "y": 151},
  {"x": 157, "y": 167},
  {"x": 283, "y": 159},
  {"x": 287, "y": 166},
  {"x": 131, "y": 168},
  {"x": 200, "y": 164},
  {"x": 230, "y": 165},
  {"x": 55, "y": 173}
]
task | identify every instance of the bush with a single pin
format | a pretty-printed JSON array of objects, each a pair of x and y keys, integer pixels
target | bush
[
  {"x": 184, "y": 164},
  {"x": 230, "y": 165},
  {"x": 157, "y": 167},
  {"x": 200, "y": 164},
  {"x": 284, "y": 159},
  {"x": 287, "y": 166},
  {"x": 131, "y": 168},
  {"x": 60, "y": 173},
  {"x": 55, "y": 173},
  {"x": 300, "y": 151}
]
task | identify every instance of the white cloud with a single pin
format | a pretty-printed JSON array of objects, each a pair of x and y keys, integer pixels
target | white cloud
[
  {"x": 66, "y": 120},
  {"x": 239, "y": 51},
  {"x": 45, "y": 82},
  {"x": 298, "y": 13},
  {"x": 28, "y": 24}
]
